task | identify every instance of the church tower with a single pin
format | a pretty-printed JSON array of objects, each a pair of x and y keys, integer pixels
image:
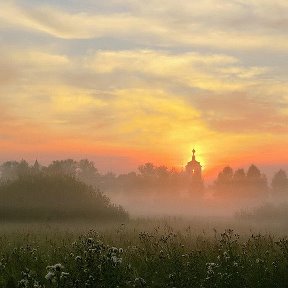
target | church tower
[{"x": 194, "y": 169}]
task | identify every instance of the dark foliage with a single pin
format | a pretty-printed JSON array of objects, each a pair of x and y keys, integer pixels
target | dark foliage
[
  {"x": 245, "y": 185},
  {"x": 54, "y": 197}
]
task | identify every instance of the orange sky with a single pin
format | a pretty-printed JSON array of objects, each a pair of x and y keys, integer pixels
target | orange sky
[{"x": 123, "y": 82}]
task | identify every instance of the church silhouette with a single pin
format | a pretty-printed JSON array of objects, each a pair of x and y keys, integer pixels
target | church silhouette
[{"x": 194, "y": 174}]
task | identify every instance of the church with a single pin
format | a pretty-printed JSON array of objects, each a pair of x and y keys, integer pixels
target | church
[{"x": 194, "y": 172}]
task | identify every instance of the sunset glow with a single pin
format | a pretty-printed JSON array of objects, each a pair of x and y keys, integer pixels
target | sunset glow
[{"x": 128, "y": 82}]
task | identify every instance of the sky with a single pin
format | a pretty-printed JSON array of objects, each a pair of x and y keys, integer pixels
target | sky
[{"x": 128, "y": 82}]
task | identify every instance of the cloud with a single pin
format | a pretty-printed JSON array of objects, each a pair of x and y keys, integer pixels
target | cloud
[
  {"x": 199, "y": 71},
  {"x": 65, "y": 25},
  {"x": 244, "y": 112},
  {"x": 224, "y": 25},
  {"x": 82, "y": 91},
  {"x": 8, "y": 73}
]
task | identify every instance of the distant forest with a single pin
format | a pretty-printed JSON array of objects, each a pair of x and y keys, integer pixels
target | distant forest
[{"x": 250, "y": 183}]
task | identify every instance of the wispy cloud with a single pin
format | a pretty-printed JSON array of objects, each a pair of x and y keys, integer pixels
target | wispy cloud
[{"x": 222, "y": 25}]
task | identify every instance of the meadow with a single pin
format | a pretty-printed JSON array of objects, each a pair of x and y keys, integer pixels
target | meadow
[{"x": 144, "y": 253}]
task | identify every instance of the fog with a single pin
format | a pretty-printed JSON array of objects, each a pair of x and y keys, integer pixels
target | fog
[{"x": 72, "y": 190}]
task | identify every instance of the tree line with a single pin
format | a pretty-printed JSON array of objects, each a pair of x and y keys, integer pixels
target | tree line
[{"x": 250, "y": 183}]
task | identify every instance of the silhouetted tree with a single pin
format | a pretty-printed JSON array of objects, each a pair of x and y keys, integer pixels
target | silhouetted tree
[
  {"x": 36, "y": 168},
  {"x": 62, "y": 167},
  {"x": 280, "y": 182},
  {"x": 239, "y": 176},
  {"x": 224, "y": 181},
  {"x": 9, "y": 170},
  {"x": 147, "y": 170},
  {"x": 225, "y": 177},
  {"x": 23, "y": 169},
  {"x": 162, "y": 172},
  {"x": 87, "y": 172},
  {"x": 12, "y": 170},
  {"x": 162, "y": 176},
  {"x": 253, "y": 173},
  {"x": 241, "y": 184},
  {"x": 257, "y": 182}
]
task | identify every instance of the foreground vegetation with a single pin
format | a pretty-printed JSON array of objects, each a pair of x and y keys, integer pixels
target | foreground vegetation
[{"x": 127, "y": 256}]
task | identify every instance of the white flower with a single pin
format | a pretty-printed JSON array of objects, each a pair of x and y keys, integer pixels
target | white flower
[
  {"x": 23, "y": 283},
  {"x": 78, "y": 258},
  {"x": 114, "y": 249},
  {"x": 140, "y": 281},
  {"x": 114, "y": 259},
  {"x": 49, "y": 275},
  {"x": 64, "y": 275},
  {"x": 90, "y": 240}
]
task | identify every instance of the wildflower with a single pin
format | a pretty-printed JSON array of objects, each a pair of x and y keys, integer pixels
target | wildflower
[
  {"x": 113, "y": 250},
  {"x": 54, "y": 272},
  {"x": 92, "y": 250},
  {"x": 78, "y": 258},
  {"x": 49, "y": 276},
  {"x": 210, "y": 268},
  {"x": 58, "y": 267},
  {"x": 91, "y": 278},
  {"x": 114, "y": 259},
  {"x": 64, "y": 275},
  {"x": 140, "y": 282},
  {"x": 90, "y": 241},
  {"x": 23, "y": 283},
  {"x": 36, "y": 285}
]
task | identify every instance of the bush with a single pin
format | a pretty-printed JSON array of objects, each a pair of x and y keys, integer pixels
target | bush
[{"x": 54, "y": 197}]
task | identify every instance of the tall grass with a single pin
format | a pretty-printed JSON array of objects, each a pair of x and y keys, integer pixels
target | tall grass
[{"x": 141, "y": 255}]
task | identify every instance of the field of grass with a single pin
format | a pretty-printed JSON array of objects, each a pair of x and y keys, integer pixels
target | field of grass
[{"x": 142, "y": 253}]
